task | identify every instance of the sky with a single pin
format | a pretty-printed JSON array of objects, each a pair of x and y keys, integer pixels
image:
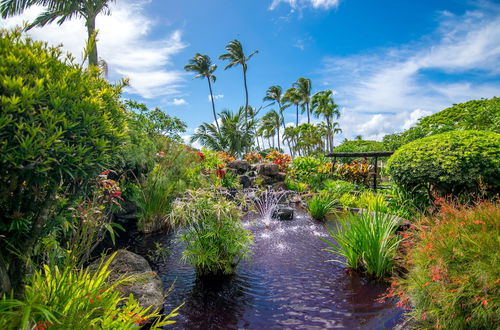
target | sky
[{"x": 388, "y": 62}]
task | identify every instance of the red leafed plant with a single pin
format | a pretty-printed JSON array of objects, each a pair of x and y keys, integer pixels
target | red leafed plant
[{"x": 282, "y": 160}]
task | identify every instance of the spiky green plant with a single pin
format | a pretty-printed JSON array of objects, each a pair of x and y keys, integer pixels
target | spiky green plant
[
  {"x": 366, "y": 241},
  {"x": 320, "y": 205},
  {"x": 67, "y": 298}
]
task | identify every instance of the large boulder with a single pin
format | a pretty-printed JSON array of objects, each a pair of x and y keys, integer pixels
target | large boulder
[
  {"x": 144, "y": 284},
  {"x": 268, "y": 169},
  {"x": 245, "y": 181},
  {"x": 239, "y": 166},
  {"x": 283, "y": 212}
]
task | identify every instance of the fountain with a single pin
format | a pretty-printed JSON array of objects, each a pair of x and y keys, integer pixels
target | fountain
[{"x": 267, "y": 204}]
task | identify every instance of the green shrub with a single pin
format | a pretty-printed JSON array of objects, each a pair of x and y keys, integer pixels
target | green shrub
[
  {"x": 366, "y": 241},
  {"x": 372, "y": 201},
  {"x": 177, "y": 169},
  {"x": 481, "y": 115},
  {"x": 295, "y": 185},
  {"x": 339, "y": 187},
  {"x": 76, "y": 299},
  {"x": 359, "y": 146},
  {"x": 322, "y": 204},
  {"x": 449, "y": 163},
  {"x": 60, "y": 125},
  {"x": 214, "y": 236},
  {"x": 453, "y": 282}
]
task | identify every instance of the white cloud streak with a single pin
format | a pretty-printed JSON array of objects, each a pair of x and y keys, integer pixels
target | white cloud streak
[
  {"x": 123, "y": 42},
  {"x": 316, "y": 4}
]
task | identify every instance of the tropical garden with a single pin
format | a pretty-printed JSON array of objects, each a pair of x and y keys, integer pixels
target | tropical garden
[{"x": 84, "y": 169}]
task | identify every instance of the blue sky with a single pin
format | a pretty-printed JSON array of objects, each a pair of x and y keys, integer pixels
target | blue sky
[{"x": 389, "y": 62}]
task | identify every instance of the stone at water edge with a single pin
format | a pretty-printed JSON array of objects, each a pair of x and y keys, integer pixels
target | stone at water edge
[
  {"x": 145, "y": 285},
  {"x": 284, "y": 213}
]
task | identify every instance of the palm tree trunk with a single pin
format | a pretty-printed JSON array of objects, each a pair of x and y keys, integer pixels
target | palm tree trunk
[
  {"x": 278, "y": 130},
  {"x": 297, "y": 120},
  {"x": 93, "y": 59},
  {"x": 246, "y": 97},
  {"x": 308, "y": 117},
  {"x": 328, "y": 134},
  {"x": 213, "y": 104}
]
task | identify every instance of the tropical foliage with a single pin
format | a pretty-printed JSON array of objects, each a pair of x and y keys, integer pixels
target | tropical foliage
[
  {"x": 452, "y": 281},
  {"x": 214, "y": 237},
  {"x": 76, "y": 299}
]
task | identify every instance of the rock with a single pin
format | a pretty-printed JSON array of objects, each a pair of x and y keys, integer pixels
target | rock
[
  {"x": 144, "y": 284},
  {"x": 280, "y": 186},
  {"x": 241, "y": 166},
  {"x": 280, "y": 177},
  {"x": 267, "y": 180},
  {"x": 283, "y": 213},
  {"x": 244, "y": 180},
  {"x": 267, "y": 169}
]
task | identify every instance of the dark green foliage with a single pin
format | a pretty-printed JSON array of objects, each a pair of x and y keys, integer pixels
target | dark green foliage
[
  {"x": 449, "y": 163},
  {"x": 483, "y": 115},
  {"x": 59, "y": 126}
]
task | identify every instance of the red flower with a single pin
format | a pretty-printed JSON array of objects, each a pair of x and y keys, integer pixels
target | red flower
[
  {"x": 485, "y": 302},
  {"x": 201, "y": 155},
  {"x": 104, "y": 172},
  {"x": 221, "y": 173},
  {"x": 116, "y": 194}
]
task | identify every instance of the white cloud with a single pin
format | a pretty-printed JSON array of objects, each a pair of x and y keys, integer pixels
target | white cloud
[
  {"x": 317, "y": 4},
  {"x": 388, "y": 90},
  {"x": 123, "y": 42},
  {"x": 177, "y": 101},
  {"x": 216, "y": 97}
]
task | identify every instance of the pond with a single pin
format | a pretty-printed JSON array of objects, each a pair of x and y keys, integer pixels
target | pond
[{"x": 287, "y": 283}]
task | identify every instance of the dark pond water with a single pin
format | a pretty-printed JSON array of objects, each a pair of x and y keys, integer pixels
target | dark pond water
[{"x": 287, "y": 284}]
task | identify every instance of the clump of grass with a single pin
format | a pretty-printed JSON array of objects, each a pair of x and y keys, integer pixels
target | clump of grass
[
  {"x": 320, "y": 205},
  {"x": 366, "y": 241}
]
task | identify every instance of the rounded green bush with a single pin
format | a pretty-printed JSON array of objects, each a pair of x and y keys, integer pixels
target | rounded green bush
[{"x": 449, "y": 163}]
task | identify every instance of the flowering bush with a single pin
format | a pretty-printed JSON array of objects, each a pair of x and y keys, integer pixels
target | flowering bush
[
  {"x": 253, "y": 157},
  {"x": 453, "y": 282},
  {"x": 282, "y": 160}
]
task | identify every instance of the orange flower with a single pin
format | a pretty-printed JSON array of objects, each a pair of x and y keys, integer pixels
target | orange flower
[{"x": 485, "y": 302}]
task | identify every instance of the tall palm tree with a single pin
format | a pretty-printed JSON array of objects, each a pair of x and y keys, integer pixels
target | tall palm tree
[
  {"x": 322, "y": 104},
  {"x": 292, "y": 96},
  {"x": 275, "y": 95},
  {"x": 202, "y": 64},
  {"x": 304, "y": 86},
  {"x": 236, "y": 56},
  {"x": 62, "y": 10},
  {"x": 271, "y": 122}
]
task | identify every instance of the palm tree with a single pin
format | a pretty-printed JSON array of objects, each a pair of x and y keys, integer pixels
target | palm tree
[
  {"x": 202, "y": 64},
  {"x": 292, "y": 96},
  {"x": 303, "y": 86},
  {"x": 271, "y": 122},
  {"x": 236, "y": 56},
  {"x": 234, "y": 137},
  {"x": 62, "y": 10},
  {"x": 275, "y": 95},
  {"x": 323, "y": 105}
]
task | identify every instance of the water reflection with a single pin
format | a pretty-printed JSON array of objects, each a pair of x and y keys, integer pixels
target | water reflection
[{"x": 286, "y": 284}]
